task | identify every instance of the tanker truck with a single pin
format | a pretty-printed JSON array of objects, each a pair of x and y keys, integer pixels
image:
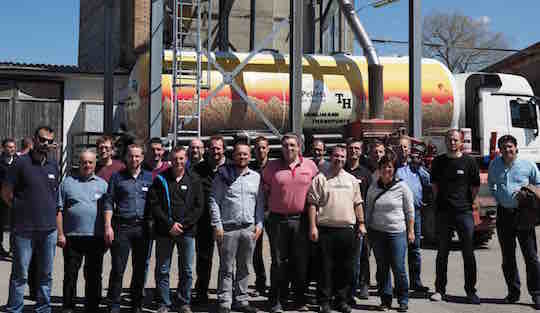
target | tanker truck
[{"x": 335, "y": 94}]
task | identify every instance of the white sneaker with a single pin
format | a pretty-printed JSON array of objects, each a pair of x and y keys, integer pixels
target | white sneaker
[{"x": 436, "y": 297}]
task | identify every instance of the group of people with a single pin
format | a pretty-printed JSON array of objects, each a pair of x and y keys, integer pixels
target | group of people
[{"x": 322, "y": 217}]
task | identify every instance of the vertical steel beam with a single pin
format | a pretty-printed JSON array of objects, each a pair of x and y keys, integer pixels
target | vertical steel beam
[
  {"x": 108, "y": 69},
  {"x": 156, "y": 67},
  {"x": 415, "y": 68},
  {"x": 252, "y": 17},
  {"x": 309, "y": 26},
  {"x": 295, "y": 66}
]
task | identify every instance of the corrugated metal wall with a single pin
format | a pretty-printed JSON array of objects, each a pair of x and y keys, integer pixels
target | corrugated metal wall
[{"x": 24, "y": 105}]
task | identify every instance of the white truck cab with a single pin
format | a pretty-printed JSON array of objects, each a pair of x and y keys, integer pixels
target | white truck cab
[{"x": 493, "y": 105}]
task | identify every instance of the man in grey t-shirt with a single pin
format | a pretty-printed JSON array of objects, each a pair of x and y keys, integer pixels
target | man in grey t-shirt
[{"x": 80, "y": 231}]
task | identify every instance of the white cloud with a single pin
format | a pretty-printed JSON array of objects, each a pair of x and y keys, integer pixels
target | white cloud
[{"x": 484, "y": 20}]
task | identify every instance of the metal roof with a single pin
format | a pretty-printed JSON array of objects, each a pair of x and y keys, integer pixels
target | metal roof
[
  {"x": 515, "y": 59},
  {"x": 54, "y": 68}
]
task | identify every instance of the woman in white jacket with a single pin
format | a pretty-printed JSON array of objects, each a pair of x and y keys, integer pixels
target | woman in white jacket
[{"x": 390, "y": 223}]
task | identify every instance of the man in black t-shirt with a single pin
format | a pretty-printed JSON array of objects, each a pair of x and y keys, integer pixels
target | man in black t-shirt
[{"x": 456, "y": 180}]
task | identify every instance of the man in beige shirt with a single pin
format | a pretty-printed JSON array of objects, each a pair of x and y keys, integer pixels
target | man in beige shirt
[{"x": 336, "y": 221}]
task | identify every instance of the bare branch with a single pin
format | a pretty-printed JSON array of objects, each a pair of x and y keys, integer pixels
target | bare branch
[{"x": 455, "y": 32}]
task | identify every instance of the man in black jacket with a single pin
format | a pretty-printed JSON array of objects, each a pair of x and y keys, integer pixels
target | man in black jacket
[
  {"x": 175, "y": 202},
  {"x": 207, "y": 170},
  {"x": 7, "y": 160}
]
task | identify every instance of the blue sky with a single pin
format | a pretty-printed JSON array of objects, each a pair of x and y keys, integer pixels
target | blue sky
[{"x": 47, "y": 31}]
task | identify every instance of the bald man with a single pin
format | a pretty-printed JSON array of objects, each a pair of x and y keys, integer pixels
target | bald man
[
  {"x": 195, "y": 152},
  {"x": 79, "y": 221}
]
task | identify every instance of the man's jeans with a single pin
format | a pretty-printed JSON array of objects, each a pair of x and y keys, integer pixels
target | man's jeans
[
  {"x": 43, "y": 245},
  {"x": 415, "y": 257},
  {"x": 507, "y": 233},
  {"x": 463, "y": 223},
  {"x": 128, "y": 238},
  {"x": 186, "y": 253},
  {"x": 390, "y": 250},
  {"x": 236, "y": 250}
]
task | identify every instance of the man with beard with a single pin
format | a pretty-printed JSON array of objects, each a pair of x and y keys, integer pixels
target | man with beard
[
  {"x": 204, "y": 242},
  {"x": 106, "y": 165},
  {"x": 31, "y": 187}
]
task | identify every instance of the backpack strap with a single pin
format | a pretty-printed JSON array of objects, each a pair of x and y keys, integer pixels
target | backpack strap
[{"x": 166, "y": 186}]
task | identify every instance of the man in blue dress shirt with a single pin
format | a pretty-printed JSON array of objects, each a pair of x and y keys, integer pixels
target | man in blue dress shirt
[
  {"x": 125, "y": 227},
  {"x": 506, "y": 175},
  {"x": 416, "y": 177}
]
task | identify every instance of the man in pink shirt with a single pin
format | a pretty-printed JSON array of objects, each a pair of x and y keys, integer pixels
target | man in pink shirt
[{"x": 286, "y": 182}]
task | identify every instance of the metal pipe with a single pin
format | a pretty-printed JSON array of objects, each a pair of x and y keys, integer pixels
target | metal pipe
[
  {"x": 360, "y": 33},
  {"x": 375, "y": 69}
]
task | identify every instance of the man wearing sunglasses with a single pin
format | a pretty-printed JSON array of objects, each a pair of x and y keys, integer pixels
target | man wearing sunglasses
[{"x": 31, "y": 187}]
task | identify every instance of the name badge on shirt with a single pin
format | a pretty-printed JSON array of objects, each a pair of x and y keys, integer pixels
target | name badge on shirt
[
  {"x": 183, "y": 187},
  {"x": 460, "y": 172},
  {"x": 51, "y": 176},
  {"x": 145, "y": 189}
]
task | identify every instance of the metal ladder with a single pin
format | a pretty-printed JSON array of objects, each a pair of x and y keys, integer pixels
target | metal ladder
[{"x": 186, "y": 40}]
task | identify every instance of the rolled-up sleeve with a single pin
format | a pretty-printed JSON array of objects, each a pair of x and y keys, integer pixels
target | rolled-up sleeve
[
  {"x": 259, "y": 206},
  {"x": 357, "y": 195},
  {"x": 215, "y": 200},
  {"x": 108, "y": 199},
  {"x": 314, "y": 192},
  {"x": 60, "y": 200}
]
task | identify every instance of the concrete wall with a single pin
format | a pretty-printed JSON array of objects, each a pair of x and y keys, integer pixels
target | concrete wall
[{"x": 79, "y": 90}]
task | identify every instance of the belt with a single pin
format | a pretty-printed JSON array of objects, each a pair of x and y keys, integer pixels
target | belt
[
  {"x": 231, "y": 227},
  {"x": 128, "y": 221},
  {"x": 286, "y": 216}
]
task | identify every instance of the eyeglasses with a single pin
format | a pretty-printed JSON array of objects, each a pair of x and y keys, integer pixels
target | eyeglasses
[{"x": 45, "y": 140}]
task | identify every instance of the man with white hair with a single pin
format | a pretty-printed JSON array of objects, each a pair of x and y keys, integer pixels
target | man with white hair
[{"x": 79, "y": 222}]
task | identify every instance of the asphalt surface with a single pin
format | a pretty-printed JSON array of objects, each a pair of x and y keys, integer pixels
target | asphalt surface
[{"x": 491, "y": 286}]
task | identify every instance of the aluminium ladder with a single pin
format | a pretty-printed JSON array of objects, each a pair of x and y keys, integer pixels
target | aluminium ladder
[{"x": 187, "y": 38}]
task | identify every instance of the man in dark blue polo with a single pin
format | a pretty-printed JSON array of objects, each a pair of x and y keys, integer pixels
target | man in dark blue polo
[
  {"x": 124, "y": 225},
  {"x": 31, "y": 186}
]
